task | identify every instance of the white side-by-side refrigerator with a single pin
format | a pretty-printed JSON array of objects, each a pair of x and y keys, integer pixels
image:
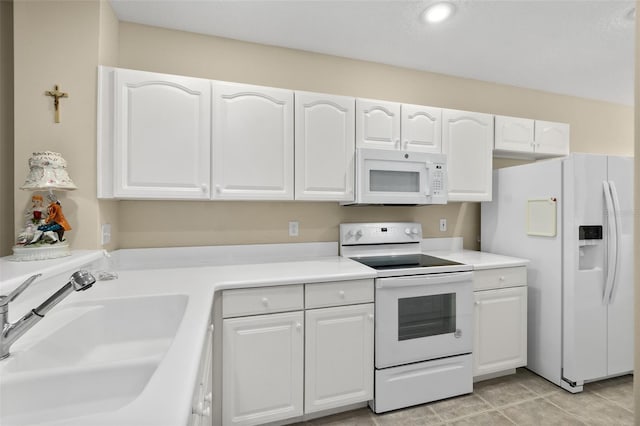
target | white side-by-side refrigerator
[{"x": 573, "y": 219}]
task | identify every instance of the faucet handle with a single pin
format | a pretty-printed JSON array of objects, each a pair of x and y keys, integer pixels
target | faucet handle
[{"x": 5, "y": 300}]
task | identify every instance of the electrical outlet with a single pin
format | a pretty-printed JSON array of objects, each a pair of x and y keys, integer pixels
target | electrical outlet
[
  {"x": 106, "y": 234},
  {"x": 443, "y": 225},
  {"x": 294, "y": 228}
]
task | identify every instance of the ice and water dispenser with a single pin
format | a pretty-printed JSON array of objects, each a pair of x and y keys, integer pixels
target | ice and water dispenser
[{"x": 590, "y": 247}]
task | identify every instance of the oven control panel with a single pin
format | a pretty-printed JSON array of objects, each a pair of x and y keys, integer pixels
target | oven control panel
[{"x": 380, "y": 233}]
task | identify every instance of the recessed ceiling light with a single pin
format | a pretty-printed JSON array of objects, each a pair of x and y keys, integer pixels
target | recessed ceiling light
[{"x": 438, "y": 12}]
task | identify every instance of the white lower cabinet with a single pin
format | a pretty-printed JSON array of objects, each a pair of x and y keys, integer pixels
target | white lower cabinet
[
  {"x": 500, "y": 330},
  {"x": 201, "y": 410},
  {"x": 278, "y": 366},
  {"x": 263, "y": 372},
  {"x": 339, "y": 356}
]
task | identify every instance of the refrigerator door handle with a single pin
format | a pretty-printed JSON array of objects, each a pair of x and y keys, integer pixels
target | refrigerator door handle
[
  {"x": 611, "y": 247},
  {"x": 618, "y": 241}
]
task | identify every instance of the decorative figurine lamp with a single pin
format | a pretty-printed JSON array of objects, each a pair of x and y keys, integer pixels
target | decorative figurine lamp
[{"x": 43, "y": 234}]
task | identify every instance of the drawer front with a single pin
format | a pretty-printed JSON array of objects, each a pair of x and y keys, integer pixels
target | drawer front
[
  {"x": 336, "y": 293},
  {"x": 487, "y": 279},
  {"x": 263, "y": 300}
]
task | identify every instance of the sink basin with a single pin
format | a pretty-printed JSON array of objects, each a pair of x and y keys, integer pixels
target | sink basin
[
  {"x": 91, "y": 357},
  {"x": 103, "y": 332},
  {"x": 59, "y": 395}
]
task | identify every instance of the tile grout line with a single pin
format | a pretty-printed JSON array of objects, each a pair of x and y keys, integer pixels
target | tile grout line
[
  {"x": 610, "y": 400},
  {"x": 499, "y": 409},
  {"x": 573, "y": 416},
  {"x": 507, "y": 417}
]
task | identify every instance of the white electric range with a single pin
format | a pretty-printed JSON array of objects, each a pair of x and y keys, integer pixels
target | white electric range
[{"x": 423, "y": 315}]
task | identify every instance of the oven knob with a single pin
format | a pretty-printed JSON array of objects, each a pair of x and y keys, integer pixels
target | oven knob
[
  {"x": 359, "y": 233},
  {"x": 407, "y": 231},
  {"x": 414, "y": 231}
]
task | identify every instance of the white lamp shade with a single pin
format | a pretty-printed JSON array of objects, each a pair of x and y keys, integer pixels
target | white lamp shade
[{"x": 48, "y": 170}]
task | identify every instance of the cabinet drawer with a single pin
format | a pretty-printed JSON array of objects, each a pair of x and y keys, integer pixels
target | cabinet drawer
[
  {"x": 499, "y": 278},
  {"x": 337, "y": 293},
  {"x": 253, "y": 301}
]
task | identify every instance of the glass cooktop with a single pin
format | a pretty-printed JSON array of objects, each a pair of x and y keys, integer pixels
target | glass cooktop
[{"x": 403, "y": 261}]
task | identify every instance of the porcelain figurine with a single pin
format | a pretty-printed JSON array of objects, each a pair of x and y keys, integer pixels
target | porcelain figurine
[
  {"x": 51, "y": 230},
  {"x": 35, "y": 215}
]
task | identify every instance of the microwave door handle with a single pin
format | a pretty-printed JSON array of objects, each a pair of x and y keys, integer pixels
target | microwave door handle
[{"x": 428, "y": 180}]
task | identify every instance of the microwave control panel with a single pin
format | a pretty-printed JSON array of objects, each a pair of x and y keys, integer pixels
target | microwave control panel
[{"x": 438, "y": 183}]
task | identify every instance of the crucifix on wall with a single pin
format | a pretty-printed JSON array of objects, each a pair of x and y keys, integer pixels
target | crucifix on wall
[{"x": 56, "y": 94}]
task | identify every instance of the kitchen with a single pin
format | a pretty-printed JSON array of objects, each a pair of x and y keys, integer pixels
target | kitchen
[{"x": 77, "y": 50}]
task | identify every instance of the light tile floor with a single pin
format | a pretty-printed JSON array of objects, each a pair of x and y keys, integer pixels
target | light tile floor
[{"x": 519, "y": 399}]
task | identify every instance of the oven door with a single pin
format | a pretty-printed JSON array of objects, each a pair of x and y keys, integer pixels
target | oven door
[{"x": 423, "y": 317}]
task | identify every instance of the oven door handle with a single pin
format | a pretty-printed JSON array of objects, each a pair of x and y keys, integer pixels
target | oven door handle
[{"x": 421, "y": 280}]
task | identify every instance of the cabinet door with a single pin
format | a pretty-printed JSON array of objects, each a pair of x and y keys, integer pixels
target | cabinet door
[
  {"x": 513, "y": 134},
  {"x": 324, "y": 147},
  {"x": 161, "y": 136},
  {"x": 252, "y": 142},
  {"x": 500, "y": 330},
  {"x": 421, "y": 128},
  {"x": 201, "y": 411},
  {"x": 262, "y": 379},
  {"x": 339, "y": 356},
  {"x": 377, "y": 124},
  {"x": 467, "y": 140},
  {"x": 551, "y": 139}
]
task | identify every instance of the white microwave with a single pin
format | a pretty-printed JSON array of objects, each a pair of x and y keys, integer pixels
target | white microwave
[{"x": 400, "y": 177}]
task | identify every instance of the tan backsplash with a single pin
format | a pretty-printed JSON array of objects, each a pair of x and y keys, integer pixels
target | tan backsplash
[{"x": 179, "y": 223}]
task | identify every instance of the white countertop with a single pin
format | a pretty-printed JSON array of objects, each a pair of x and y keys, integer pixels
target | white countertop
[
  {"x": 166, "y": 400},
  {"x": 479, "y": 259},
  {"x": 197, "y": 273},
  {"x": 13, "y": 273}
]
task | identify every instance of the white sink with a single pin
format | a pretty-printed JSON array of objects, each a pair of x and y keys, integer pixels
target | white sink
[
  {"x": 93, "y": 357},
  {"x": 63, "y": 394}
]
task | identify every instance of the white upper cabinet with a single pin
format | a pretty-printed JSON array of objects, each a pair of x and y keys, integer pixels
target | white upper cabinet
[
  {"x": 530, "y": 139},
  {"x": 514, "y": 134},
  {"x": 552, "y": 139},
  {"x": 154, "y": 135},
  {"x": 467, "y": 140},
  {"x": 324, "y": 147},
  {"x": 377, "y": 124},
  {"x": 390, "y": 125},
  {"x": 421, "y": 128},
  {"x": 252, "y": 142}
]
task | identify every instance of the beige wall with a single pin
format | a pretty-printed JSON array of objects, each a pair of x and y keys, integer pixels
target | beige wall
[
  {"x": 595, "y": 126},
  {"x": 108, "y": 54},
  {"x": 6, "y": 127},
  {"x": 58, "y": 42}
]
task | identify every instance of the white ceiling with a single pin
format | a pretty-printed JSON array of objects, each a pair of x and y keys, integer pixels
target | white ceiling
[{"x": 575, "y": 47}]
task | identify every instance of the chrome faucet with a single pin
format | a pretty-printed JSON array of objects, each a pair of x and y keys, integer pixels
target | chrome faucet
[{"x": 79, "y": 281}]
